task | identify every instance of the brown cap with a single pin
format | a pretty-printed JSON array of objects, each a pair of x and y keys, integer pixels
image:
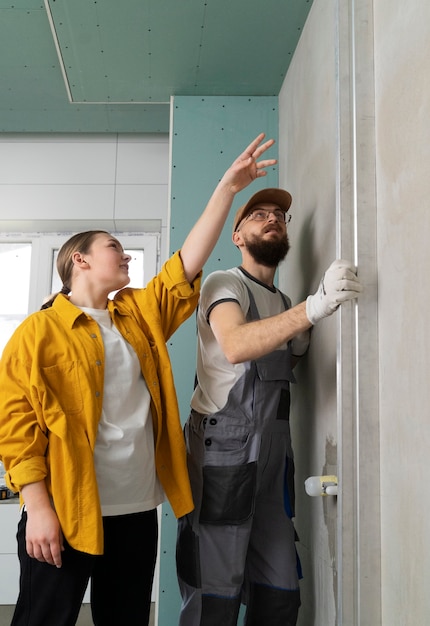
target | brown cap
[{"x": 280, "y": 197}]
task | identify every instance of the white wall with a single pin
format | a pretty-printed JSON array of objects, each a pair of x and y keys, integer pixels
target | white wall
[
  {"x": 310, "y": 118},
  {"x": 119, "y": 182}
]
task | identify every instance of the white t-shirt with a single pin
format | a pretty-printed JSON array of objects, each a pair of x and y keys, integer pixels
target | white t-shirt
[
  {"x": 215, "y": 375},
  {"x": 124, "y": 454}
]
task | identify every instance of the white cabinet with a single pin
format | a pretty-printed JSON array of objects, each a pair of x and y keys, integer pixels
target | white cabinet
[{"x": 9, "y": 564}]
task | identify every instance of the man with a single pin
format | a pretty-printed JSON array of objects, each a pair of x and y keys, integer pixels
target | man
[{"x": 238, "y": 545}]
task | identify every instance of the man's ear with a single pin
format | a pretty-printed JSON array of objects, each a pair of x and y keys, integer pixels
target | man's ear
[{"x": 236, "y": 238}]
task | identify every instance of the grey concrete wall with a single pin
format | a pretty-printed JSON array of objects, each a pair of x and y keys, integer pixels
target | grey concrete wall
[
  {"x": 307, "y": 168},
  {"x": 402, "y": 62},
  {"x": 354, "y": 152}
]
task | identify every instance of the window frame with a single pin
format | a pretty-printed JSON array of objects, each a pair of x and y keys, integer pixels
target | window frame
[{"x": 43, "y": 245}]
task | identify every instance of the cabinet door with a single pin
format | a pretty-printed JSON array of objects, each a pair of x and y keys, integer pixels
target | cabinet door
[{"x": 9, "y": 564}]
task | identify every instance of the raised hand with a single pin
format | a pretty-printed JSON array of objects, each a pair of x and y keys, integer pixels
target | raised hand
[
  {"x": 203, "y": 236},
  {"x": 246, "y": 167}
]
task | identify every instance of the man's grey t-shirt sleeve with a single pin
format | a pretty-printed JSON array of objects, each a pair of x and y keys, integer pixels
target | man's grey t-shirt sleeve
[{"x": 222, "y": 286}]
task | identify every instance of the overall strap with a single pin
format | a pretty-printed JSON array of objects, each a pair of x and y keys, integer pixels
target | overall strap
[
  {"x": 279, "y": 360},
  {"x": 253, "y": 313}
]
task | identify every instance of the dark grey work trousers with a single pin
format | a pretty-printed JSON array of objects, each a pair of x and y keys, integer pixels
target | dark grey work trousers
[{"x": 121, "y": 579}]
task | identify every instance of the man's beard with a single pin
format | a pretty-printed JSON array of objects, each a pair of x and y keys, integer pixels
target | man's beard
[{"x": 267, "y": 253}]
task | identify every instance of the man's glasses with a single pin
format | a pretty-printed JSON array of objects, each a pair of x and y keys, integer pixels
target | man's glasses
[{"x": 262, "y": 215}]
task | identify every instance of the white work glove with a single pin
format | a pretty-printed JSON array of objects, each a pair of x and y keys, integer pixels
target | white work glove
[{"x": 339, "y": 284}]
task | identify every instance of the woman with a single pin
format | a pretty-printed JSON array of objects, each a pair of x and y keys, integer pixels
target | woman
[{"x": 89, "y": 427}]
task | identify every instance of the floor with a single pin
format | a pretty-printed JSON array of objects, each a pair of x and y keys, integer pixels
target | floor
[{"x": 6, "y": 612}]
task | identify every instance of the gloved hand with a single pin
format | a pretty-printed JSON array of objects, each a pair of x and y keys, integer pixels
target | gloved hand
[{"x": 339, "y": 284}]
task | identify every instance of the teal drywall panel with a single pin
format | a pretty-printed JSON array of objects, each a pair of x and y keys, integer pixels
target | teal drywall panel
[{"x": 208, "y": 133}]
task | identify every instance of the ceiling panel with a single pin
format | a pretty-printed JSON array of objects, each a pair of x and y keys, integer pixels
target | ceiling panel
[{"x": 109, "y": 66}]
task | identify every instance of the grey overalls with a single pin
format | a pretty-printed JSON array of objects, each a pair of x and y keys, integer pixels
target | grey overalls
[{"x": 239, "y": 542}]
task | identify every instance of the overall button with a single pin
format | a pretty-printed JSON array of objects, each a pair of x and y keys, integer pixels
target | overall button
[
  {"x": 208, "y": 442},
  {"x": 212, "y": 421}
]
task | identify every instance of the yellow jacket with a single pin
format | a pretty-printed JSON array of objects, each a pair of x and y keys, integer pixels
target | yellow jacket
[{"x": 51, "y": 395}]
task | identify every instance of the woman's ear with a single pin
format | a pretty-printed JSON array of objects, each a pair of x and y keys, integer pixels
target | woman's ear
[{"x": 79, "y": 260}]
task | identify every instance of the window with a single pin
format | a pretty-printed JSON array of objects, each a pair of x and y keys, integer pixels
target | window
[
  {"x": 136, "y": 270},
  {"x": 15, "y": 268},
  {"x": 28, "y": 272}
]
